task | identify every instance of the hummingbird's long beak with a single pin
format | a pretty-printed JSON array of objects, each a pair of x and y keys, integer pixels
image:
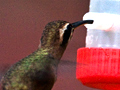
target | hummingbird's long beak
[{"x": 76, "y": 24}]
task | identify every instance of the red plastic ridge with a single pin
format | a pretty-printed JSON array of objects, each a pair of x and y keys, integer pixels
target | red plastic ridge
[{"x": 99, "y": 67}]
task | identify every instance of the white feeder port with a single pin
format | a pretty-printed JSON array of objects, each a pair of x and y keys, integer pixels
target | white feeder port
[
  {"x": 103, "y": 21},
  {"x": 105, "y": 30}
]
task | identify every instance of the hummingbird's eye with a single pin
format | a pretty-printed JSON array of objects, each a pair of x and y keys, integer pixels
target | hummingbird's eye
[
  {"x": 69, "y": 27},
  {"x": 67, "y": 34}
]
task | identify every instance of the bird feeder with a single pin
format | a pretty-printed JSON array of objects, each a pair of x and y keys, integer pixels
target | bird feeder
[{"x": 98, "y": 64}]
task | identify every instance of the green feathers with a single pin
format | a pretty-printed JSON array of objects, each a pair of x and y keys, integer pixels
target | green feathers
[{"x": 18, "y": 74}]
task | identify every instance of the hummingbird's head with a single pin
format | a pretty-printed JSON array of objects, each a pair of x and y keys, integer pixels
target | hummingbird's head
[{"x": 57, "y": 34}]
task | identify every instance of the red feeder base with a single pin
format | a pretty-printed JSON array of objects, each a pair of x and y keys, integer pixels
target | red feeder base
[{"x": 99, "y": 68}]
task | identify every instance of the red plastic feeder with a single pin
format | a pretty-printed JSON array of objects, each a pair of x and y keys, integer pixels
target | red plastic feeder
[{"x": 99, "y": 67}]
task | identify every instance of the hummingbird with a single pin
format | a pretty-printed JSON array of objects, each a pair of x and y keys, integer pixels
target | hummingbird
[{"x": 38, "y": 71}]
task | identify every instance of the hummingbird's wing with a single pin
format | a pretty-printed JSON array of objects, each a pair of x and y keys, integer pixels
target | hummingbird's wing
[{"x": 67, "y": 67}]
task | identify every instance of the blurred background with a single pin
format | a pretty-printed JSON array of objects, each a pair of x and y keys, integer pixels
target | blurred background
[{"x": 21, "y": 25}]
